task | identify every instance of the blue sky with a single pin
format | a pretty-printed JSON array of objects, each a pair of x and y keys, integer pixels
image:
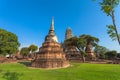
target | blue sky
[{"x": 30, "y": 20}]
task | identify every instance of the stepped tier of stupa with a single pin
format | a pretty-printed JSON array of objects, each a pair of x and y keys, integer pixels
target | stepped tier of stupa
[
  {"x": 72, "y": 53},
  {"x": 90, "y": 53}
]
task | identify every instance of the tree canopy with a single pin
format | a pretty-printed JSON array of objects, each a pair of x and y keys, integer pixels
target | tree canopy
[
  {"x": 9, "y": 43},
  {"x": 111, "y": 54},
  {"x": 81, "y": 43},
  {"x": 33, "y": 48},
  {"x": 90, "y": 40},
  {"x": 108, "y": 7},
  {"x": 100, "y": 51},
  {"x": 24, "y": 51}
]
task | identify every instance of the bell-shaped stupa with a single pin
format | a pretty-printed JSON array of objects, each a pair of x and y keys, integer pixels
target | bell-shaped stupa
[{"x": 51, "y": 54}]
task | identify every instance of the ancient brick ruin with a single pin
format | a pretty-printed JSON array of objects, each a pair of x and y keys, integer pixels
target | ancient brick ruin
[
  {"x": 51, "y": 54},
  {"x": 90, "y": 53},
  {"x": 71, "y": 52}
]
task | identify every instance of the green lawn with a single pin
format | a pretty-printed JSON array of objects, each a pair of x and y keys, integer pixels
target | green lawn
[{"x": 78, "y": 71}]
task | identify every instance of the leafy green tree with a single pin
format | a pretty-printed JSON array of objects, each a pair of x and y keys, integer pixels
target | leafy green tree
[
  {"x": 108, "y": 7},
  {"x": 79, "y": 43},
  {"x": 24, "y": 51},
  {"x": 90, "y": 40},
  {"x": 100, "y": 51},
  {"x": 82, "y": 43},
  {"x": 111, "y": 55},
  {"x": 118, "y": 55},
  {"x": 32, "y": 48},
  {"x": 8, "y": 42}
]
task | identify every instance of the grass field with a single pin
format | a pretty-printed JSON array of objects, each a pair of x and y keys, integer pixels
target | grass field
[{"x": 78, "y": 71}]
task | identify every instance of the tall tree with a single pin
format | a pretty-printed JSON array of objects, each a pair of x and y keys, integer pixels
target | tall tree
[
  {"x": 90, "y": 40},
  {"x": 82, "y": 43},
  {"x": 108, "y": 7},
  {"x": 8, "y": 42},
  {"x": 79, "y": 43}
]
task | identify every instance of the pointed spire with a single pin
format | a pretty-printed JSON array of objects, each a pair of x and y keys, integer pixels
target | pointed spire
[
  {"x": 52, "y": 25},
  {"x": 51, "y": 35},
  {"x": 51, "y": 31}
]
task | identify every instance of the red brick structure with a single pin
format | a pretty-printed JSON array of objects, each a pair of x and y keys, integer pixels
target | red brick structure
[
  {"x": 90, "y": 53},
  {"x": 71, "y": 52},
  {"x": 51, "y": 54}
]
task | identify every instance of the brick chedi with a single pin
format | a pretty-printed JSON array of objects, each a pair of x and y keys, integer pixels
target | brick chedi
[
  {"x": 90, "y": 53},
  {"x": 71, "y": 52},
  {"x": 68, "y": 33},
  {"x": 51, "y": 54}
]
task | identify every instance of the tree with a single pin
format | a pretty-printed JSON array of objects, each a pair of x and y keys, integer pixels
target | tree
[
  {"x": 90, "y": 43},
  {"x": 79, "y": 43},
  {"x": 108, "y": 7},
  {"x": 111, "y": 54},
  {"x": 118, "y": 55},
  {"x": 32, "y": 48},
  {"x": 100, "y": 51},
  {"x": 90, "y": 40},
  {"x": 82, "y": 43},
  {"x": 8, "y": 42},
  {"x": 24, "y": 51}
]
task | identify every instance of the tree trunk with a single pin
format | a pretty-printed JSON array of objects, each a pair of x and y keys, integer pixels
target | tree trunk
[
  {"x": 82, "y": 53},
  {"x": 114, "y": 24},
  {"x": 83, "y": 58},
  {"x": 35, "y": 55}
]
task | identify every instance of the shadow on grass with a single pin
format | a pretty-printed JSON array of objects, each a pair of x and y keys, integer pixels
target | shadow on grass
[
  {"x": 11, "y": 75},
  {"x": 1, "y": 70},
  {"x": 25, "y": 63}
]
